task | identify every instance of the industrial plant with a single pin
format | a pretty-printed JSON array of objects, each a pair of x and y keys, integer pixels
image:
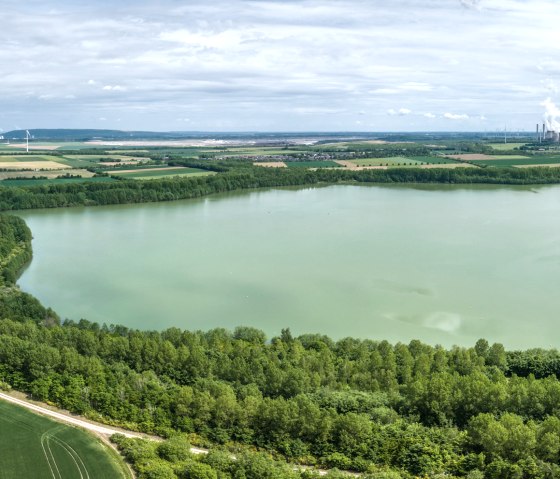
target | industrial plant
[{"x": 547, "y": 134}]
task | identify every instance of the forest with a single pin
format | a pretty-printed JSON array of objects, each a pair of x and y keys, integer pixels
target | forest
[
  {"x": 236, "y": 175},
  {"x": 388, "y": 410}
]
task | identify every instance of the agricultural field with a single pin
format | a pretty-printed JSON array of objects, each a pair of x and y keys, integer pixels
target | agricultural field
[
  {"x": 510, "y": 161},
  {"x": 312, "y": 164},
  {"x": 32, "y": 446},
  {"x": 400, "y": 160},
  {"x": 505, "y": 146},
  {"x": 30, "y": 162},
  {"x": 84, "y": 161},
  {"x": 152, "y": 173},
  {"x": 47, "y": 174}
]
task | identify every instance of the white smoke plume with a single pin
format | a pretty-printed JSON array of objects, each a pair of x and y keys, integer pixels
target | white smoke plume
[{"x": 551, "y": 115}]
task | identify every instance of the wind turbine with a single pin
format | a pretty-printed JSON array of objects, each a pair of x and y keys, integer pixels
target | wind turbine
[{"x": 27, "y": 135}]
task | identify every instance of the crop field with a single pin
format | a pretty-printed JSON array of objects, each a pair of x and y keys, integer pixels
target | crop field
[
  {"x": 25, "y": 158},
  {"x": 32, "y": 446},
  {"x": 522, "y": 161},
  {"x": 84, "y": 161},
  {"x": 312, "y": 164},
  {"x": 505, "y": 146},
  {"x": 391, "y": 161},
  {"x": 149, "y": 173}
]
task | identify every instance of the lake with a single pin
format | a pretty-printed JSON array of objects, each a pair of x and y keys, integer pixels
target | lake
[{"x": 445, "y": 265}]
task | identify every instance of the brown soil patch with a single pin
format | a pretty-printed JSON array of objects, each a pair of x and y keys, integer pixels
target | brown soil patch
[
  {"x": 352, "y": 166},
  {"x": 139, "y": 170},
  {"x": 448, "y": 166},
  {"x": 271, "y": 164},
  {"x": 471, "y": 156},
  {"x": 34, "y": 165}
]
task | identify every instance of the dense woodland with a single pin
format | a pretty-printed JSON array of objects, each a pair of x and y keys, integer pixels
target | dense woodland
[
  {"x": 236, "y": 175},
  {"x": 397, "y": 410}
]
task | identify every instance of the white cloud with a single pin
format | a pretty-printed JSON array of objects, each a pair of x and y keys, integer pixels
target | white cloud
[
  {"x": 249, "y": 65},
  {"x": 429, "y": 115},
  {"x": 472, "y": 4},
  {"x": 114, "y": 88},
  {"x": 455, "y": 116}
]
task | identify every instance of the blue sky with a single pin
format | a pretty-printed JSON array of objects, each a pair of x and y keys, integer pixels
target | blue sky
[{"x": 236, "y": 65}]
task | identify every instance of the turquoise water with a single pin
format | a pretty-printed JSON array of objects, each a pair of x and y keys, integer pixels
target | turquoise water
[{"x": 445, "y": 265}]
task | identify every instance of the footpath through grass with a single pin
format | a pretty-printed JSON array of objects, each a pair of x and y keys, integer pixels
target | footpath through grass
[{"x": 32, "y": 446}]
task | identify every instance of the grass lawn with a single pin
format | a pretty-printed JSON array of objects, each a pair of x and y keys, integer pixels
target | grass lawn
[{"x": 32, "y": 446}]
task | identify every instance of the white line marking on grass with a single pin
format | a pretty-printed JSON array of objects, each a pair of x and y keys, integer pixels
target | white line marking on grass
[
  {"x": 73, "y": 454},
  {"x": 44, "y": 440}
]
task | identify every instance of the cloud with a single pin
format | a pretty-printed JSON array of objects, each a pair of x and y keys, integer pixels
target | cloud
[
  {"x": 251, "y": 65},
  {"x": 429, "y": 115},
  {"x": 471, "y": 4},
  {"x": 400, "y": 111},
  {"x": 114, "y": 88},
  {"x": 454, "y": 116}
]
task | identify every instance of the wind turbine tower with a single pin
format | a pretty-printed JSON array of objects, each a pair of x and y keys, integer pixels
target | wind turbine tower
[{"x": 27, "y": 135}]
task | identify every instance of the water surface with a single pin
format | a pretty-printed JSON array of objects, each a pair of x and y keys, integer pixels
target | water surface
[{"x": 442, "y": 264}]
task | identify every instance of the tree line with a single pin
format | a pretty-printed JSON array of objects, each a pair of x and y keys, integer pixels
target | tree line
[{"x": 237, "y": 175}]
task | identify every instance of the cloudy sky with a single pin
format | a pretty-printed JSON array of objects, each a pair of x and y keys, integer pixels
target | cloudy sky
[{"x": 318, "y": 65}]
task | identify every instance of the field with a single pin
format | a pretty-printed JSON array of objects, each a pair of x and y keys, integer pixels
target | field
[
  {"x": 402, "y": 160},
  {"x": 49, "y": 174},
  {"x": 312, "y": 164},
  {"x": 84, "y": 161},
  {"x": 32, "y": 446},
  {"x": 149, "y": 173},
  {"x": 505, "y": 146},
  {"x": 520, "y": 161}
]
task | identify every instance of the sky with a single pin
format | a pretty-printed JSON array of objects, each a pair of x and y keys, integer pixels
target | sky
[{"x": 240, "y": 65}]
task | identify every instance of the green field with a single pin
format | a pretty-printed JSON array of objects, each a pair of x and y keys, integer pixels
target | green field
[
  {"x": 32, "y": 446},
  {"x": 15, "y": 158},
  {"x": 162, "y": 172},
  {"x": 519, "y": 161},
  {"x": 395, "y": 160},
  {"x": 312, "y": 164},
  {"x": 505, "y": 146}
]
